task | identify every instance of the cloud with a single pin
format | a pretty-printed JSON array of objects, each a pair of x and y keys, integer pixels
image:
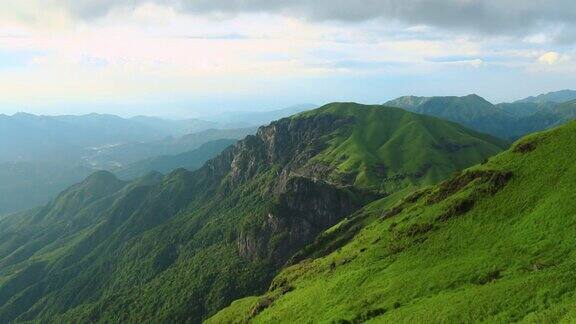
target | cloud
[
  {"x": 549, "y": 58},
  {"x": 555, "y": 63},
  {"x": 459, "y": 61},
  {"x": 66, "y": 50},
  {"x": 509, "y": 17}
]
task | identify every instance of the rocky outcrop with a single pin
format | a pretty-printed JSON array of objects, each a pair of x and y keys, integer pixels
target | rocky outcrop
[
  {"x": 289, "y": 143},
  {"x": 305, "y": 202},
  {"x": 305, "y": 208}
]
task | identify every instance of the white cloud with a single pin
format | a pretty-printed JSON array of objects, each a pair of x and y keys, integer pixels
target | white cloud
[
  {"x": 149, "y": 47},
  {"x": 159, "y": 43},
  {"x": 549, "y": 58},
  {"x": 517, "y": 17}
]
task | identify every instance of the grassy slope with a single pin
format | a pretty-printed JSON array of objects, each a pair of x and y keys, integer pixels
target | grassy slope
[
  {"x": 168, "y": 252},
  {"x": 509, "y": 258},
  {"x": 403, "y": 144}
]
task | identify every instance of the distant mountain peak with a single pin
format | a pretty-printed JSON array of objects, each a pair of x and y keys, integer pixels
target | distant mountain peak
[
  {"x": 101, "y": 175},
  {"x": 471, "y": 110},
  {"x": 554, "y": 96},
  {"x": 240, "y": 216}
]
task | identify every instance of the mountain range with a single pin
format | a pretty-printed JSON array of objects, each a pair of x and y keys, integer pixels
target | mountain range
[
  {"x": 555, "y": 97},
  {"x": 189, "y": 160},
  {"x": 494, "y": 243},
  {"x": 505, "y": 120},
  {"x": 42, "y": 155},
  {"x": 28, "y": 184},
  {"x": 71, "y": 147},
  {"x": 180, "y": 247},
  {"x": 346, "y": 213}
]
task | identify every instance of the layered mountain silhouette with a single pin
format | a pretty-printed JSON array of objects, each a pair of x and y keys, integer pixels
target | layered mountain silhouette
[
  {"x": 180, "y": 247},
  {"x": 506, "y": 120},
  {"x": 555, "y": 97},
  {"x": 472, "y": 111},
  {"x": 43, "y": 155},
  {"x": 190, "y": 160},
  {"x": 493, "y": 243}
]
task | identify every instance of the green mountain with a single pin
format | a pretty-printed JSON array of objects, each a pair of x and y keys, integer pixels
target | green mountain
[
  {"x": 494, "y": 243},
  {"x": 190, "y": 160},
  {"x": 561, "y": 96},
  {"x": 554, "y": 115},
  {"x": 505, "y": 120},
  {"x": 565, "y": 111},
  {"x": 540, "y": 105},
  {"x": 181, "y": 247},
  {"x": 121, "y": 155},
  {"x": 24, "y": 185},
  {"x": 472, "y": 111},
  {"x": 525, "y": 109},
  {"x": 394, "y": 149}
]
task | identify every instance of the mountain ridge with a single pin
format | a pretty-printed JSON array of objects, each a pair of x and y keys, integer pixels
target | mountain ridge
[
  {"x": 561, "y": 96},
  {"x": 472, "y": 111},
  {"x": 467, "y": 247},
  {"x": 504, "y": 120},
  {"x": 198, "y": 240}
]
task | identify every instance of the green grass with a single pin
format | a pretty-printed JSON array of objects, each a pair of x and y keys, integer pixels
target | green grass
[
  {"x": 506, "y": 256},
  {"x": 183, "y": 247},
  {"x": 389, "y": 148}
]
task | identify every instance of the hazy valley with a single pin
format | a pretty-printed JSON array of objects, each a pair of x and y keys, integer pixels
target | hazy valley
[
  {"x": 342, "y": 191},
  {"x": 249, "y": 161}
]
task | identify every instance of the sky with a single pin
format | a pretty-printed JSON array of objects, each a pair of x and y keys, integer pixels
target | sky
[{"x": 192, "y": 58}]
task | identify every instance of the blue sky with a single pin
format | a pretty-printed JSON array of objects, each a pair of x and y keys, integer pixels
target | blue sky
[{"x": 191, "y": 58}]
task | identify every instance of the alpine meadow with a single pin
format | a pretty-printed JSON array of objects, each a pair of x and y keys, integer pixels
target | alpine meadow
[{"x": 233, "y": 161}]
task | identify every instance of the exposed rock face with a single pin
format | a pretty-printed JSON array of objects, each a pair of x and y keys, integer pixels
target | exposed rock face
[
  {"x": 305, "y": 208},
  {"x": 287, "y": 143},
  {"x": 204, "y": 238},
  {"x": 305, "y": 203}
]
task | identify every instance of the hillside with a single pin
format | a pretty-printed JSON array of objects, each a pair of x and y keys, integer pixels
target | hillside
[
  {"x": 504, "y": 120},
  {"x": 394, "y": 149},
  {"x": 565, "y": 111},
  {"x": 24, "y": 185},
  {"x": 561, "y": 96},
  {"x": 165, "y": 164},
  {"x": 494, "y": 243},
  {"x": 180, "y": 247},
  {"x": 472, "y": 111},
  {"x": 525, "y": 109},
  {"x": 32, "y": 177},
  {"x": 553, "y": 116},
  {"x": 122, "y": 155}
]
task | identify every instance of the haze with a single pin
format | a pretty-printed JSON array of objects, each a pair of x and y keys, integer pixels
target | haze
[{"x": 187, "y": 58}]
